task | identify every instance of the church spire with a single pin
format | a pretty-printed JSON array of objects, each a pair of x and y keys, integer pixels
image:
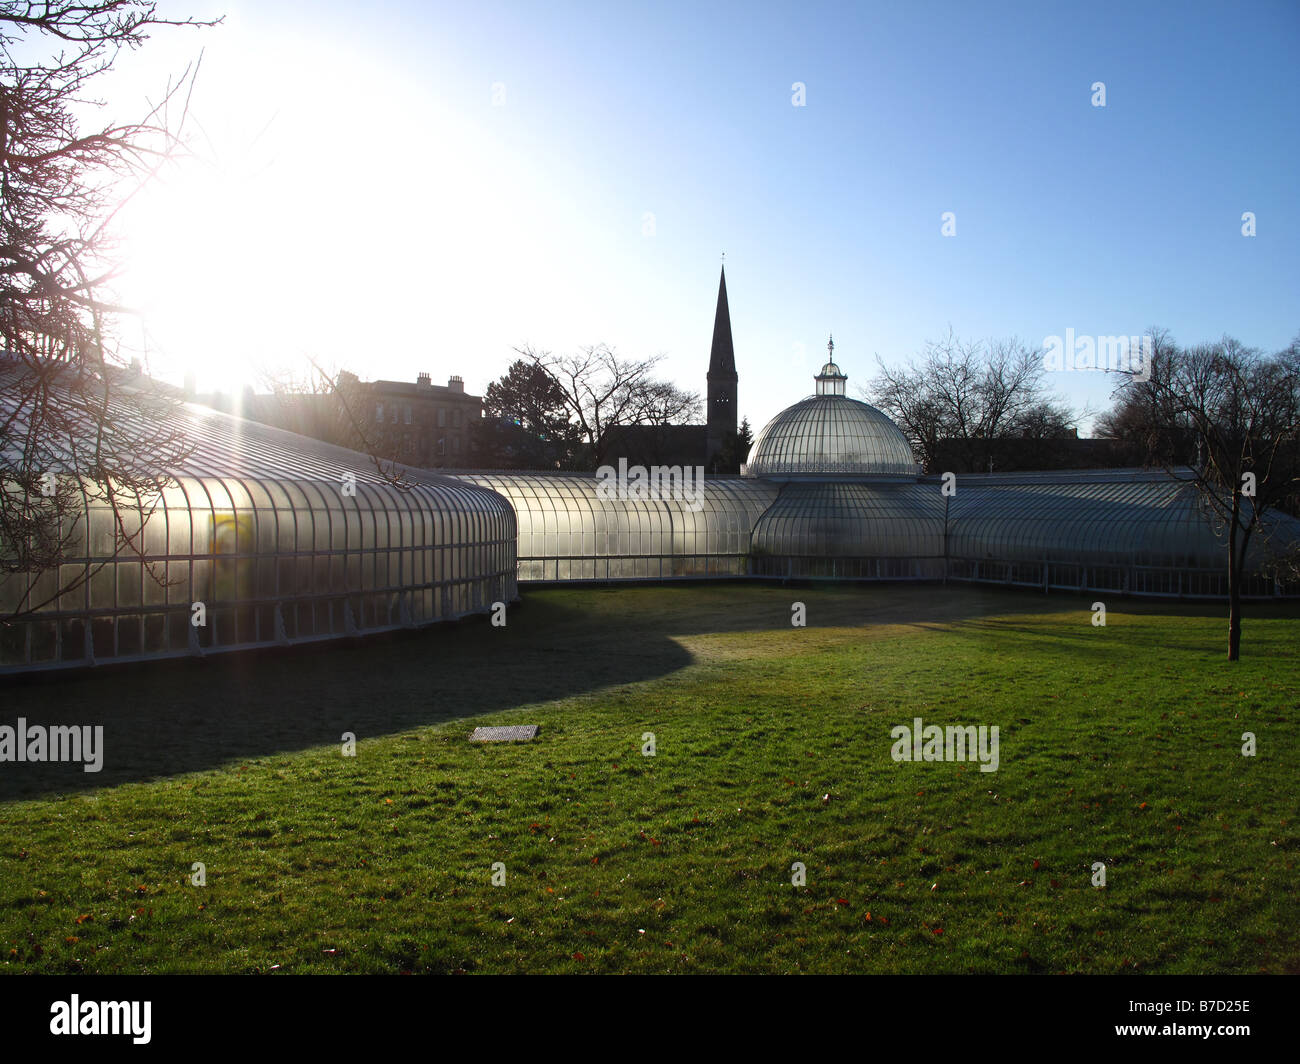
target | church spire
[
  {"x": 721, "y": 427},
  {"x": 722, "y": 359}
]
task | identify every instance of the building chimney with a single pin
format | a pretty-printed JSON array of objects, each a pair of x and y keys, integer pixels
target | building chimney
[
  {"x": 424, "y": 381},
  {"x": 456, "y": 384}
]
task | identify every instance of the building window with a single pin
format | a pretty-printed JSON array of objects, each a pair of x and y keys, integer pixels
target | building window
[
  {"x": 406, "y": 414},
  {"x": 442, "y": 417},
  {"x": 442, "y": 447},
  {"x": 379, "y": 412},
  {"x": 455, "y": 445},
  {"x": 393, "y": 418},
  {"x": 455, "y": 418}
]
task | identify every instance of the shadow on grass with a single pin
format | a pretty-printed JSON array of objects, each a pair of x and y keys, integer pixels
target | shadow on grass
[{"x": 174, "y": 717}]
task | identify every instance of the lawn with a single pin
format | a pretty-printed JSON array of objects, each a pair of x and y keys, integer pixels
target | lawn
[{"x": 1118, "y": 744}]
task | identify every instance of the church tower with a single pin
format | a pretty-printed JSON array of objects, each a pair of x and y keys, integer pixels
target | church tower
[{"x": 722, "y": 380}]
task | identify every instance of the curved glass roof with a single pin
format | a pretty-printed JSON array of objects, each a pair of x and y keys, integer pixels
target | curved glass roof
[
  {"x": 567, "y": 531},
  {"x": 831, "y": 434},
  {"x": 1138, "y": 517},
  {"x": 829, "y": 519},
  {"x": 1110, "y": 517},
  {"x": 281, "y": 538}
]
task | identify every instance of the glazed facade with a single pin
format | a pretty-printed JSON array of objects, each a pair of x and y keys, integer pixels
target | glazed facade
[
  {"x": 259, "y": 538},
  {"x": 282, "y": 539}
]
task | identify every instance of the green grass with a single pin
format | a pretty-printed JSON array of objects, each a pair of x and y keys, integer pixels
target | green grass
[{"x": 1118, "y": 744}]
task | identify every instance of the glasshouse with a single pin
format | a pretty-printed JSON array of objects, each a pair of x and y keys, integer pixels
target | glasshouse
[
  {"x": 256, "y": 537},
  {"x": 831, "y": 491},
  {"x": 828, "y": 434},
  {"x": 568, "y": 531},
  {"x": 259, "y": 537},
  {"x": 1134, "y": 531}
]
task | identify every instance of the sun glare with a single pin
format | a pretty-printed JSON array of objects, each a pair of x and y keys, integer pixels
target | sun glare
[{"x": 288, "y": 232}]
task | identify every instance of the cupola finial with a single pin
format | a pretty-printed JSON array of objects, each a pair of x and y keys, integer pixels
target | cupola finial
[{"x": 830, "y": 381}]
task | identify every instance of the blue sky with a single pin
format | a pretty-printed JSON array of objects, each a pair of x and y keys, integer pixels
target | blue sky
[{"x": 361, "y": 195}]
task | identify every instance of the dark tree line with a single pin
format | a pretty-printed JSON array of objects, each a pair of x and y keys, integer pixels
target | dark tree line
[
  {"x": 571, "y": 411},
  {"x": 961, "y": 401}
]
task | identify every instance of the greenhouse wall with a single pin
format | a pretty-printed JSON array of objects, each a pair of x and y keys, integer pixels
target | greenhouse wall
[
  {"x": 569, "y": 532},
  {"x": 265, "y": 538},
  {"x": 1138, "y": 532},
  {"x": 259, "y": 537}
]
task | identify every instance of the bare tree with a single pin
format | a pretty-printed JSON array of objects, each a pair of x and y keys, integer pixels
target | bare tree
[
  {"x": 323, "y": 403},
  {"x": 1136, "y": 423},
  {"x": 338, "y": 399},
  {"x": 74, "y": 423},
  {"x": 968, "y": 394},
  {"x": 663, "y": 403},
  {"x": 1240, "y": 411},
  {"x": 603, "y": 393}
]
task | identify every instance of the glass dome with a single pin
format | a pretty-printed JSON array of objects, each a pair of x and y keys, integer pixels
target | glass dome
[{"x": 829, "y": 433}]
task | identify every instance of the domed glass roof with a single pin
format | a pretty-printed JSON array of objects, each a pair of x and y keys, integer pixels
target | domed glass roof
[{"x": 829, "y": 433}]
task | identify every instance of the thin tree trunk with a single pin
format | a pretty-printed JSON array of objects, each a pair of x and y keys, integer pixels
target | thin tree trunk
[
  {"x": 1234, "y": 593},
  {"x": 1234, "y": 618}
]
